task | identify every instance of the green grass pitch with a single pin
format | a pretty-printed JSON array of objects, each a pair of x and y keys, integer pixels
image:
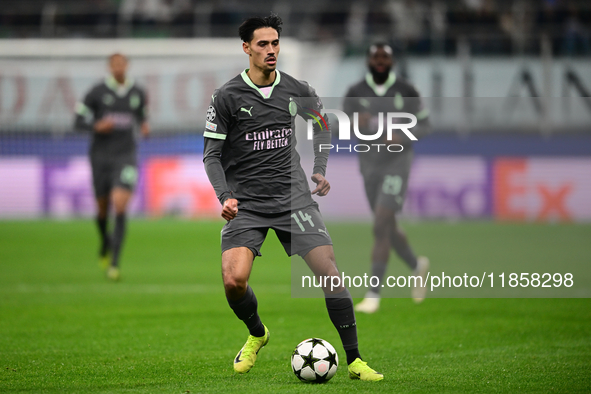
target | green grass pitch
[{"x": 167, "y": 328}]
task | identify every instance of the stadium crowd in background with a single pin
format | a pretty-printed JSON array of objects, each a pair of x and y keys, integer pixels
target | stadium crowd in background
[{"x": 415, "y": 26}]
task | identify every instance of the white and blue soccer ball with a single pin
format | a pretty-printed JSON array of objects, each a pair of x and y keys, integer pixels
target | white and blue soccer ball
[{"x": 314, "y": 360}]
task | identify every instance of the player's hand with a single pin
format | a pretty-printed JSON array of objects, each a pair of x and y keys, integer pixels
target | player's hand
[
  {"x": 322, "y": 185},
  {"x": 230, "y": 209},
  {"x": 104, "y": 125},
  {"x": 145, "y": 129}
]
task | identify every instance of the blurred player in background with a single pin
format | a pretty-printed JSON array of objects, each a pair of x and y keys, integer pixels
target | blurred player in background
[
  {"x": 111, "y": 111},
  {"x": 385, "y": 173},
  {"x": 250, "y": 159}
]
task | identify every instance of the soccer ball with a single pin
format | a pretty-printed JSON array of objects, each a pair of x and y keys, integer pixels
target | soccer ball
[{"x": 314, "y": 360}]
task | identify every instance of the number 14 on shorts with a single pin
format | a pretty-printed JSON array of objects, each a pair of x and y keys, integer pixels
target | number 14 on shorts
[{"x": 305, "y": 217}]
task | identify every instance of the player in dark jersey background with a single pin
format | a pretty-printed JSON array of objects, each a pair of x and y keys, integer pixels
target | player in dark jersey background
[
  {"x": 251, "y": 161},
  {"x": 385, "y": 173},
  {"x": 111, "y": 111}
]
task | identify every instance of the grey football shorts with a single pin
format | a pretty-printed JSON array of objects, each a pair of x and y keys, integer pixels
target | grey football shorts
[
  {"x": 299, "y": 231},
  {"x": 387, "y": 186},
  {"x": 108, "y": 175}
]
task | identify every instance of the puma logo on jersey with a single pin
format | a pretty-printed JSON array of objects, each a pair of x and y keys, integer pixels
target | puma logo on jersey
[
  {"x": 322, "y": 231},
  {"x": 247, "y": 110},
  {"x": 213, "y": 96}
]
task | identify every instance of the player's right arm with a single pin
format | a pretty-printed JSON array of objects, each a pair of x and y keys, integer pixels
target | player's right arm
[
  {"x": 212, "y": 153},
  {"x": 353, "y": 103},
  {"x": 418, "y": 108},
  {"x": 216, "y": 131},
  {"x": 85, "y": 118}
]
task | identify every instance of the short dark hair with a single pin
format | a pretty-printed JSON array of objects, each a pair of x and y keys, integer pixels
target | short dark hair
[
  {"x": 380, "y": 44},
  {"x": 247, "y": 28},
  {"x": 117, "y": 54}
]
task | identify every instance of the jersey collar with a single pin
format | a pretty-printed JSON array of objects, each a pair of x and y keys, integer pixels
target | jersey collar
[
  {"x": 389, "y": 82},
  {"x": 255, "y": 87},
  {"x": 120, "y": 90}
]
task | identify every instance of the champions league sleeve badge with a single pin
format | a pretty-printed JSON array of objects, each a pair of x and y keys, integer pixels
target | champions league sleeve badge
[{"x": 210, "y": 116}]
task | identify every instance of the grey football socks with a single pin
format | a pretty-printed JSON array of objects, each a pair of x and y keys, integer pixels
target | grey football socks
[
  {"x": 101, "y": 223},
  {"x": 340, "y": 311},
  {"x": 378, "y": 269},
  {"x": 118, "y": 236},
  {"x": 245, "y": 309}
]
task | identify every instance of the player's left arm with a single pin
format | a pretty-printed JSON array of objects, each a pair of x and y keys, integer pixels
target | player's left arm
[
  {"x": 418, "y": 108},
  {"x": 142, "y": 114},
  {"x": 311, "y": 108}
]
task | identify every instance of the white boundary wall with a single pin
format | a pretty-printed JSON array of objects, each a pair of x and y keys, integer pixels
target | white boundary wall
[{"x": 40, "y": 81}]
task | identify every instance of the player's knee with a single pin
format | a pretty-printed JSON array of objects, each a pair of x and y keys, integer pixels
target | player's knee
[
  {"x": 235, "y": 287},
  {"x": 102, "y": 213},
  {"x": 102, "y": 207},
  {"x": 322, "y": 261},
  {"x": 120, "y": 203},
  {"x": 330, "y": 270},
  {"x": 381, "y": 229},
  {"x": 384, "y": 223}
]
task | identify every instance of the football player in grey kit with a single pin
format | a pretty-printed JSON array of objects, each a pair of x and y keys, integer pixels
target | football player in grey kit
[
  {"x": 251, "y": 161},
  {"x": 111, "y": 111},
  {"x": 385, "y": 173}
]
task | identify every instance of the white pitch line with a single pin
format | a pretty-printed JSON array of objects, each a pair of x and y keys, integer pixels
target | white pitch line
[{"x": 122, "y": 288}]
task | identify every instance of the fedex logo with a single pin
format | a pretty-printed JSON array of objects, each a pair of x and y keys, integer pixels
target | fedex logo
[{"x": 542, "y": 189}]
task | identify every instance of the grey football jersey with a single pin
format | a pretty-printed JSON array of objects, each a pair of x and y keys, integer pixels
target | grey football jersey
[
  {"x": 126, "y": 105},
  {"x": 260, "y": 163},
  {"x": 398, "y": 96}
]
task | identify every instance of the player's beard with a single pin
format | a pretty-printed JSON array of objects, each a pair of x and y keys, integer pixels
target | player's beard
[
  {"x": 379, "y": 77},
  {"x": 270, "y": 67}
]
